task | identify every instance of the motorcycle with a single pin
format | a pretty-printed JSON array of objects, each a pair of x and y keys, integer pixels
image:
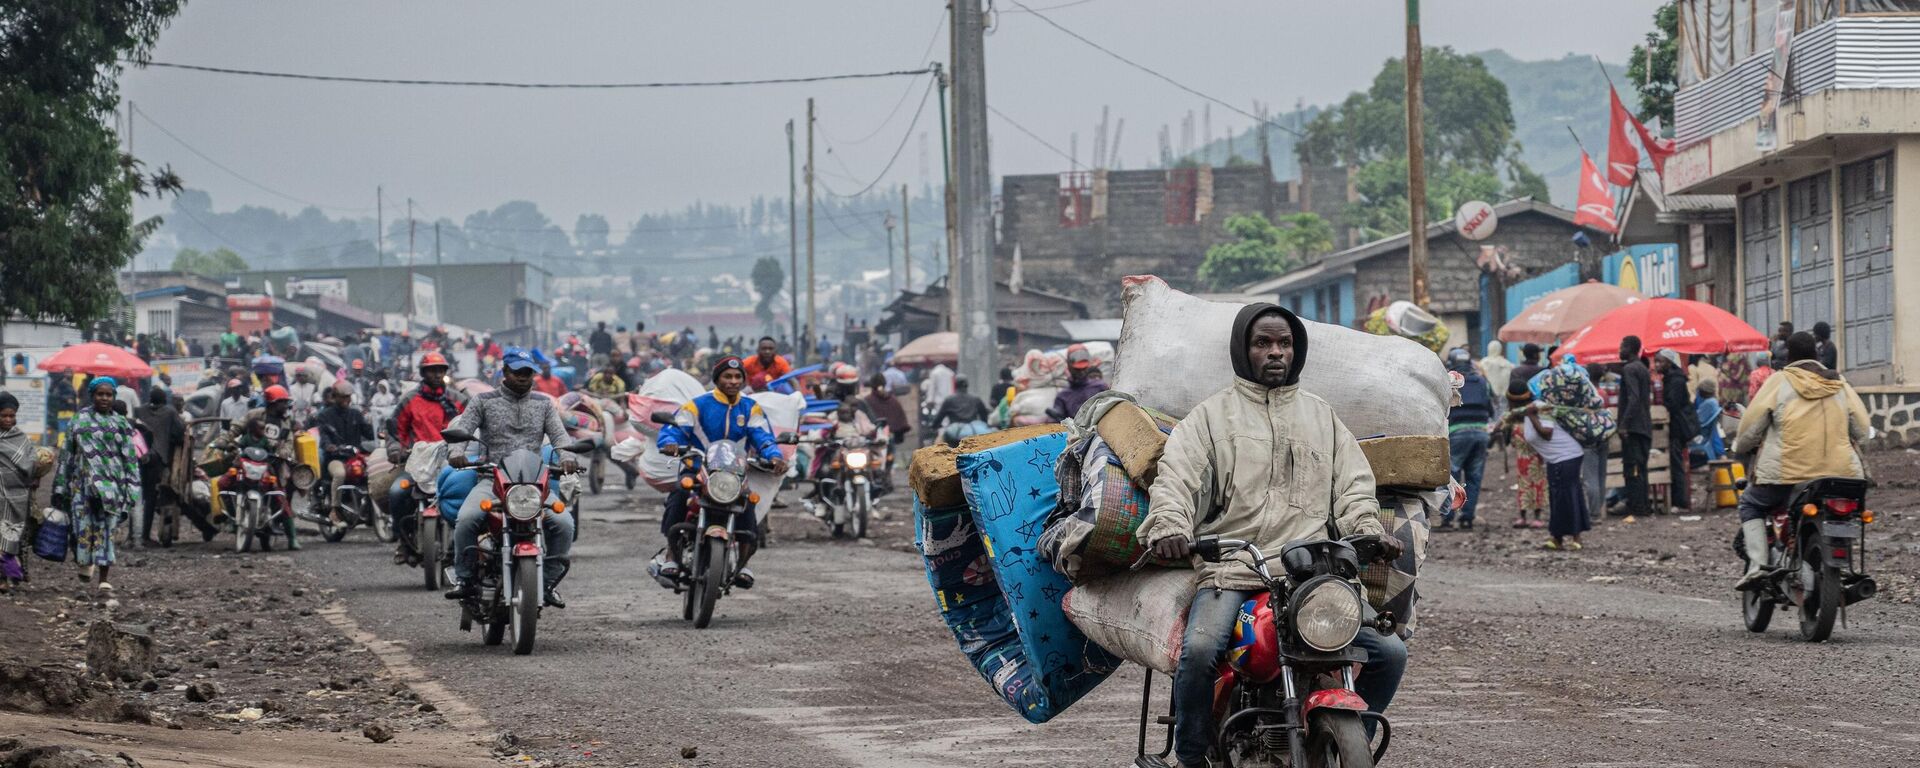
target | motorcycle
[
  {"x": 1817, "y": 557},
  {"x": 1285, "y": 696},
  {"x": 254, "y": 498},
  {"x": 512, "y": 550},
  {"x": 708, "y": 552},
  {"x": 355, "y": 506},
  {"x": 428, "y": 538},
  {"x": 846, "y": 486}
]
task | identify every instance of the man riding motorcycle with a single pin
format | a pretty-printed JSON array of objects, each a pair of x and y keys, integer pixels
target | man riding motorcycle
[
  {"x": 269, "y": 427},
  {"x": 343, "y": 430},
  {"x": 511, "y": 418},
  {"x": 1268, "y": 463},
  {"x": 723, "y": 414},
  {"x": 1805, "y": 423},
  {"x": 418, "y": 418}
]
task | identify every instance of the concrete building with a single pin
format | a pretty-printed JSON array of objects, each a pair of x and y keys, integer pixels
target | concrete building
[
  {"x": 511, "y": 299},
  {"x": 1467, "y": 279},
  {"x": 1824, "y": 163},
  {"x": 1078, "y": 233}
]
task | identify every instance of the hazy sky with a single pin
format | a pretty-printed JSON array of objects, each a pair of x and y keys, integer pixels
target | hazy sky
[{"x": 622, "y": 153}]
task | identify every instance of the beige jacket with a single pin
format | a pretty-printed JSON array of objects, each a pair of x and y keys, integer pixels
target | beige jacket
[
  {"x": 1267, "y": 466},
  {"x": 1805, "y": 422}
]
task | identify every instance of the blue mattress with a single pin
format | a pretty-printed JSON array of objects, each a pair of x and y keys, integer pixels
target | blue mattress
[{"x": 1000, "y": 599}]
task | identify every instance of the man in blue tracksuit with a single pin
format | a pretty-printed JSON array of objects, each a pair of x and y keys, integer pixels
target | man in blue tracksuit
[
  {"x": 723, "y": 414},
  {"x": 1467, "y": 436}
]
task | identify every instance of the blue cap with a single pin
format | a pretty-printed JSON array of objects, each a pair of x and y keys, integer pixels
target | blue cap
[{"x": 516, "y": 358}]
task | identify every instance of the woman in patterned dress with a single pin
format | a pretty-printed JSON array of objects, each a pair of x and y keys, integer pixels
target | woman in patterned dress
[{"x": 100, "y": 479}]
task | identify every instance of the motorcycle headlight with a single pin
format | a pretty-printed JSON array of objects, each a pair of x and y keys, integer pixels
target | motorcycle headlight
[
  {"x": 723, "y": 487},
  {"x": 256, "y": 471},
  {"x": 1327, "y": 615},
  {"x": 856, "y": 460},
  {"x": 523, "y": 502}
]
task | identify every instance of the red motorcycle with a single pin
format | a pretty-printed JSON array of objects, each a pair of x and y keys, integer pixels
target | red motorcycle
[
  {"x": 254, "y": 497},
  {"x": 511, "y": 554},
  {"x": 1285, "y": 696},
  {"x": 355, "y": 505}
]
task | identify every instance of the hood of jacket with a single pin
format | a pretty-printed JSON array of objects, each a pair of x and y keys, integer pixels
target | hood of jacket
[
  {"x": 1813, "y": 381},
  {"x": 1243, "y": 329}
]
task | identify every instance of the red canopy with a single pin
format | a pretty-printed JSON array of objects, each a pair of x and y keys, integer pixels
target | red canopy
[
  {"x": 1685, "y": 326},
  {"x": 99, "y": 360}
]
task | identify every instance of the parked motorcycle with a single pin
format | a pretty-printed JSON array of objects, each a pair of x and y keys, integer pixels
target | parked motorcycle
[
  {"x": 355, "y": 506},
  {"x": 1285, "y": 696},
  {"x": 706, "y": 546},
  {"x": 255, "y": 499},
  {"x": 845, "y": 487},
  {"x": 1817, "y": 557},
  {"x": 511, "y": 553}
]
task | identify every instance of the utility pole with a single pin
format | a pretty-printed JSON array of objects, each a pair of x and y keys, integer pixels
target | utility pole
[
  {"x": 946, "y": 186},
  {"x": 379, "y": 229},
  {"x": 793, "y": 243},
  {"x": 411, "y": 224},
  {"x": 812, "y": 318},
  {"x": 906, "y": 235},
  {"x": 1416, "y": 162},
  {"x": 892, "y": 286},
  {"x": 439, "y": 270},
  {"x": 973, "y": 279}
]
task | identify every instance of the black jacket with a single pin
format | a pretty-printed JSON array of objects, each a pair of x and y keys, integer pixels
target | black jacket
[
  {"x": 1636, "y": 391},
  {"x": 342, "y": 428},
  {"x": 960, "y": 408},
  {"x": 1683, "y": 420}
]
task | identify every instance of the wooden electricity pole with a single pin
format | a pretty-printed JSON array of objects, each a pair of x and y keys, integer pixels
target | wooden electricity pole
[
  {"x": 812, "y": 327},
  {"x": 793, "y": 244},
  {"x": 906, "y": 236},
  {"x": 1416, "y": 163}
]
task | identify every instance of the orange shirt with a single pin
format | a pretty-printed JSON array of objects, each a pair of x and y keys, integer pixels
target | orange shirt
[{"x": 758, "y": 375}]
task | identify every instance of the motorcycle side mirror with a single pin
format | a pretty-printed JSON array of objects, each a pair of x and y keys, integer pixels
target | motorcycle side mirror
[
  {"x": 580, "y": 446},
  {"x": 661, "y": 417},
  {"x": 456, "y": 435}
]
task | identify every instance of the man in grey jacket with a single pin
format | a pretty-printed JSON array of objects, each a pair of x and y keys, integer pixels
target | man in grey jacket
[{"x": 1269, "y": 463}]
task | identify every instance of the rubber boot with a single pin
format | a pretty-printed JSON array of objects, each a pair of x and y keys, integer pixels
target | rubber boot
[
  {"x": 1754, "y": 540},
  {"x": 293, "y": 539}
]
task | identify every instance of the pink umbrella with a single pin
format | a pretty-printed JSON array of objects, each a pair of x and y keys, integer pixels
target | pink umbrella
[
  {"x": 1685, "y": 326},
  {"x": 99, "y": 360},
  {"x": 1556, "y": 315},
  {"x": 942, "y": 347}
]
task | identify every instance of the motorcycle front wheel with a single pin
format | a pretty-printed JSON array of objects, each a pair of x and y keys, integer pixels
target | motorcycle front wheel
[
  {"x": 1337, "y": 739},
  {"x": 597, "y": 475},
  {"x": 244, "y": 526},
  {"x": 428, "y": 536},
  {"x": 382, "y": 524},
  {"x": 709, "y": 581},
  {"x": 334, "y": 532},
  {"x": 526, "y": 608},
  {"x": 1821, "y": 605},
  {"x": 862, "y": 513}
]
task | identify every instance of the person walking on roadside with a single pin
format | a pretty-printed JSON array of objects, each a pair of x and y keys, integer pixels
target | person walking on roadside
[
  {"x": 166, "y": 432},
  {"x": 1563, "y": 456},
  {"x": 17, "y": 481},
  {"x": 1805, "y": 423},
  {"x": 1467, "y": 436},
  {"x": 99, "y": 481},
  {"x": 1530, "y": 365},
  {"x": 1824, "y": 349},
  {"x": 1683, "y": 424},
  {"x": 1497, "y": 368},
  {"x": 1634, "y": 414}
]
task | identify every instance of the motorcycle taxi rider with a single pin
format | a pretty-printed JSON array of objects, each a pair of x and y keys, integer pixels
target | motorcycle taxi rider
[
  {"x": 723, "y": 414},
  {"x": 343, "y": 431},
  {"x": 511, "y": 418},
  {"x": 1220, "y": 476},
  {"x": 270, "y": 427},
  {"x": 418, "y": 418}
]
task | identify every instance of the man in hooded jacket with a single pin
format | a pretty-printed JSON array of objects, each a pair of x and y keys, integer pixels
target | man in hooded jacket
[{"x": 1269, "y": 463}]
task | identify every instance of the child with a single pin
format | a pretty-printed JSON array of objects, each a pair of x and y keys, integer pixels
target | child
[
  {"x": 1562, "y": 454},
  {"x": 1532, "y": 471}
]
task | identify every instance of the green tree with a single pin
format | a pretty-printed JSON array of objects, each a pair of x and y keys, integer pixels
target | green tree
[
  {"x": 768, "y": 279},
  {"x": 66, "y": 189},
  {"x": 590, "y": 232},
  {"x": 1305, "y": 236},
  {"x": 1260, "y": 251},
  {"x": 1469, "y": 134},
  {"x": 1656, "y": 75},
  {"x": 218, "y": 262}
]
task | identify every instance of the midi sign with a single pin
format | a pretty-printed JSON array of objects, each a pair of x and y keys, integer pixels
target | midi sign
[{"x": 1653, "y": 270}]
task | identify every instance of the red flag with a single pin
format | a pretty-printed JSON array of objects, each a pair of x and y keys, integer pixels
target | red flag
[
  {"x": 1622, "y": 158},
  {"x": 1658, "y": 149},
  {"x": 1595, "y": 208}
]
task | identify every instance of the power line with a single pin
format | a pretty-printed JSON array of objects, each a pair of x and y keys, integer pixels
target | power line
[
  {"x": 904, "y": 94},
  {"x": 1036, "y": 137},
  {"x": 896, "y": 150},
  {"x": 1051, "y": 7},
  {"x": 1149, "y": 70},
  {"x": 236, "y": 174},
  {"x": 510, "y": 84}
]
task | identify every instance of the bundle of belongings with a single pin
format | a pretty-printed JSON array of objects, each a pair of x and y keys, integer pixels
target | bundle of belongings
[{"x": 992, "y": 544}]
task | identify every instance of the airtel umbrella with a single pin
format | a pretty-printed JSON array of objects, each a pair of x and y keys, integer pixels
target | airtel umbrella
[
  {"x": 1564, "y": 312},
  {"x": 1682, "y": 325},
  {"x": 97, "y": 359}
]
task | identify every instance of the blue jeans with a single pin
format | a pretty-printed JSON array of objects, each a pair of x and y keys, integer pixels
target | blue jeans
[
  {"x": 466, "y": 535},
  {"x": 1210, "y": 629},
  {"x": 1468, "y": 449}
]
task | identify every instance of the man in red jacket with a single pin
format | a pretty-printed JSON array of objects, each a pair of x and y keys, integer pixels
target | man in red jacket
[{"x": 418, "y": 418}]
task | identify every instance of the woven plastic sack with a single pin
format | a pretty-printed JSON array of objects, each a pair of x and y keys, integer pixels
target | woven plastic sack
[
  {"x": 1139, "y": 616},
  {"x": 1173, "y": 354},
  {"x": 1095, "y": 535},
  {"x": 1000, "y": 599},
  {"x": 1576, "y": 403},
  {"x": 1390, "y": 586}
]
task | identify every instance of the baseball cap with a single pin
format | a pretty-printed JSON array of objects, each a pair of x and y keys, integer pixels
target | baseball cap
[
  {"x": 276, "y": 393},
  {"x": 516, "y": 358}
]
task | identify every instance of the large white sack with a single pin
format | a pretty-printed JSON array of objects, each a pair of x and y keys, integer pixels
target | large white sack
[
  {"x": 782, "y": 410},
  {"x": 1140, "y": 616},
  {"x": 1173, "y": 354},
  {"x": 671, "y": 384},
  {"x": 1033, "y": 402}
]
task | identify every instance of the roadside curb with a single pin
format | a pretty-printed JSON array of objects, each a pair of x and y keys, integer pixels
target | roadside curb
[{"x": 400, "y": 663}]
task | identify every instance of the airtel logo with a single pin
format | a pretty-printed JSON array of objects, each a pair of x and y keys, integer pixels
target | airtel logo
[{"x": 1676, "y": 329}]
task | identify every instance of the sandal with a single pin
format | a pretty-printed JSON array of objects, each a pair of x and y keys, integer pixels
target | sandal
[
  {"x": 1536, "y": 524},
  {"x": 1520, "y": 522},
  {"x": 1551, "y": 545},
  {"x": 1573, "y": 546}
]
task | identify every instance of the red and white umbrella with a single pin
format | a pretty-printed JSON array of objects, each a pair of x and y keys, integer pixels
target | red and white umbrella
[
  {"x": 97, "y": 359},
  {"x": 1682, "y": 325}
]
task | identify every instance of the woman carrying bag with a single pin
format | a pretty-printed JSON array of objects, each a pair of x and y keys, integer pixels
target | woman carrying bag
[{"x": 100, "y": 480}]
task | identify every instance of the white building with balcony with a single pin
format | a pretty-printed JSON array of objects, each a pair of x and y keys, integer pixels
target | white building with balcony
[{"x": 1818, "y": 137}]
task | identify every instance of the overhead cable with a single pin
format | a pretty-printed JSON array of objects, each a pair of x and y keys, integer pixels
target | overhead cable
[
  {"x": 528, "y": 85},
  {"x": 236, "y": 174}
]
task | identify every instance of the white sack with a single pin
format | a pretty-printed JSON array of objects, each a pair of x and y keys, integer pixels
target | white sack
[
  {"x": 627, "y": 450},
  {"x": 672, "y": 384},
  {"x": 1033, "y": 402},
  {"x": 1173, "y": 354},
  {"x": 1140, "y": 616},
  {"x": 782, "y": 410}
]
